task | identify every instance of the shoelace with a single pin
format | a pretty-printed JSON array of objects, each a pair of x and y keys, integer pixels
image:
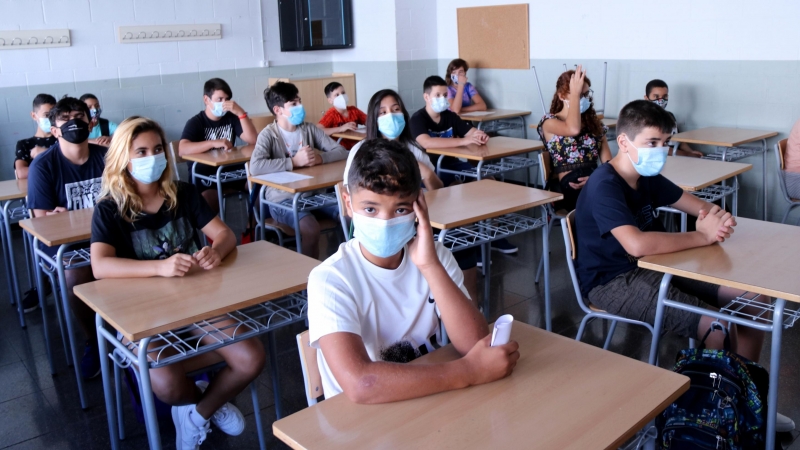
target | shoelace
[{"x": 201, "y": 433}]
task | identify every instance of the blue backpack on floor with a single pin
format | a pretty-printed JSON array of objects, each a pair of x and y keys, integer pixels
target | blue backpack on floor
[{"x": 725, "y": 406}]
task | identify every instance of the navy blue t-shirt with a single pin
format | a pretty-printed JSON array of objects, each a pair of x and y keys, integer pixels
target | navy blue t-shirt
[
  {"x": 605, "y": 203},
  {"x": 55, "y": 181}
]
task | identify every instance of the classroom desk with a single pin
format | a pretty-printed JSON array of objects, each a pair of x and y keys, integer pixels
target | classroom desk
[
  {"x": 221, "y": 159},
  {"x": 498, "y": 119},
  {"x": 323, "y": 176},
  {"x": 557, "y": 383},
  {"x": 700, "y": 177},
  {"x": 12, "y": 191},
  {"x": 241, "y": 290},
  {"x": 350, "y": 135},
  {"x": 475, "y": 214},
  {"x": 729, "y": 144},
  {"x": 61, "y": 230},
  {"x": 500, "y": 148},
  {"x": 761, "y": 258}
]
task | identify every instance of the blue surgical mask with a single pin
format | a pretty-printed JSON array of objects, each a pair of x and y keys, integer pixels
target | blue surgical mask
[
  {"x": 391, "y": 125},
  {"x": 297, "y": 114},
  {"x": 384, "y": 238},
  {"x": 149, "y": 168},
  {"x": 439, "y": 104},
  {"x": 585, "y": 104},
  {"x": 44, "y": 124},
  {"x": 217, "y": 110},
  {"x": 651, "y": 160}
]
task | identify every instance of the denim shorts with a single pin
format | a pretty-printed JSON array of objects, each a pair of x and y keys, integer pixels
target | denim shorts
[{"x": 286, "y": 217}]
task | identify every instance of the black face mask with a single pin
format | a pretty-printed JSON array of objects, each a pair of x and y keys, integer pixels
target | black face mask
[{"x": 75, "y": 131}]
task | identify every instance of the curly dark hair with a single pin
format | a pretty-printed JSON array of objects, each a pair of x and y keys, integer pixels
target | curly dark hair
[{"x": 589, "y": 121}]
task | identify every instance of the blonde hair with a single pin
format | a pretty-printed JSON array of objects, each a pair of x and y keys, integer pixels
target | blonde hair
[{"x": 118, "y": 184}]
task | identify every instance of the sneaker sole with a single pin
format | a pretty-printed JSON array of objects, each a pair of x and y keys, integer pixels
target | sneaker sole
[
  {"x": 30, "y": 310},
  {"x": 508, "y": 251}
]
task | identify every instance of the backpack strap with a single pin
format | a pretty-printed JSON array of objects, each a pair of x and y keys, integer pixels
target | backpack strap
[
  {"x": 718, "y": 326},
  {"x": 103, "y": 127}
]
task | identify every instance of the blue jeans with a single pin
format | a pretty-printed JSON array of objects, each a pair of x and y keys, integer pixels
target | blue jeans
[{"x": 286, "y": 217}]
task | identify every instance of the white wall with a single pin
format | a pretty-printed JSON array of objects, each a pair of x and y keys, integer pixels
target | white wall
[
  {"x": 416, "y": 30},
  {"x": 636, "y": 29},
  {"x": 374, "y": 33}
]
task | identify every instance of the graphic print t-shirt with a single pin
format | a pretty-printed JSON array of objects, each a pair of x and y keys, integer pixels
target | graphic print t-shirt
[
  {"x": 24, "y": 147},
  {"x": 200, "y": 128},
  {"x": 154, "y": 236},
  {"x": 55, "y": 181}
]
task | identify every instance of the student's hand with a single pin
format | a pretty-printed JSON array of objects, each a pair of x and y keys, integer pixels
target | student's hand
[
  {"x": 105, "y": 141},
  {"x": 233, "y": 107},
  {"x": 421, "y": 249},
  {"x": 305, "y": 157},
  {"x": 696, "y": 154},
  {"x": 486, "y": 363},
  {"x": 482, "y": 138},
  {"x": 462, "y": 80},
  {"x": 36, "y": 151},
  {"x": 57, "y": 210},
  {"x": 715, "y": 225},
  {"x": 576, "y": 84},
  {"x": 175, "y": 266},
  {"x": 207, "y": 258},
  {"x": 580, "y": 184},
  {"x": 223, "y": 144},
  {"x": 317, "y": 158},
  {"x": 347, "y": 127}
]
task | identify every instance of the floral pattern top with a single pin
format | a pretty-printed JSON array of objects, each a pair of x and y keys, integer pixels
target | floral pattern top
[{"x": 568, "y": 153}]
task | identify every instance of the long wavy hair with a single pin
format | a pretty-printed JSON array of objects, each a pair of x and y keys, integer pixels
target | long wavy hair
[
  {"x": 589, "y": 121},
  {"x": 374, "y": 110},
  {"x": 118, "y": 184}
]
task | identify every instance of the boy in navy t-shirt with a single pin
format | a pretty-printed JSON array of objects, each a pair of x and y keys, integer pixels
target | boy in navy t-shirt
[{"x": 67, "y": 177}]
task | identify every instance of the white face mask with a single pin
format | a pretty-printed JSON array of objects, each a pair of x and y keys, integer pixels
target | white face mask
[
  {"x": 341, "y": 101},
  {"x": 439, "y": 104}
]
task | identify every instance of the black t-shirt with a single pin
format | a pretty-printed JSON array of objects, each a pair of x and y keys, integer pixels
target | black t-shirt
[
  {"x": 24, "y": 147},
  {"x": 605, "y": 203},
  {"x": 450, "y": 125},
  {"x": 53, "y": 180},
  {"x": 154, "y": 236},
  {"x": 200, "y": 128}
]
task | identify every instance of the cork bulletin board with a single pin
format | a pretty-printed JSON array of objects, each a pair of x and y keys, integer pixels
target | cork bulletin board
[{"x": 494, "y": 37}]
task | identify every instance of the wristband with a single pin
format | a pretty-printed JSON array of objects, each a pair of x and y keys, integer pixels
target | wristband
[{"x": 243, "y": 116}]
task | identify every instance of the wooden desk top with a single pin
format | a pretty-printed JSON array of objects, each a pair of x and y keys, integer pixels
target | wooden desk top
[
  {"x": 217, "y": 158},
  {"x": 610, "y": 123},
  {"x": 497, "y": 147},
  {"x": 496, "y": 114},
  {"x": 556, "y": 384},
  {"x": 467, "y": 203},
  {"x": 722, "y": 137},
  {"x": 13, "y": 189},
  {"x": 759, "y": 257},
  {"x": 251, "y": 274},
  {"x": 694, "y": 174},
  {"x": 324, "y": 176},
  {"x": 62, "y": 228},
  {"x": 350, "y": 135}
]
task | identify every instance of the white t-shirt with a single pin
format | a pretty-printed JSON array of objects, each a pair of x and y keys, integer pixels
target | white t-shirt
[
  {"x": 419, "y": 155},
  {"x": 292, "y": 140},
  {"x": 347, "y": 293}
]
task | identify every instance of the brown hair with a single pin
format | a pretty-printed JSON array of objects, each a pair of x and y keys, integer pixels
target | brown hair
[
  {"x": 589, "y": 121},
  {"x": 457, "y": 63}
]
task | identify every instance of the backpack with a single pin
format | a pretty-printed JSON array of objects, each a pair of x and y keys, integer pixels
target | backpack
[{"x": 725, "y": 406}]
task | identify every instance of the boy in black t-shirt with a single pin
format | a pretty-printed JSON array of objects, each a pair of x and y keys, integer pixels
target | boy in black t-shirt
[
  {"x": 216, "y": 127},
  {"x": 30, "y": 148}
]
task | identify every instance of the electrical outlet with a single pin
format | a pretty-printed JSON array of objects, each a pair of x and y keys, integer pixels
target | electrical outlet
[
  {"x": 20, "y": 39},
  {"x": 161, "y": 33}
]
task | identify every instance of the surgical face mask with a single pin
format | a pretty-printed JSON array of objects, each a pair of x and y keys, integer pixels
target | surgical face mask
[
  {"x": 662, "y": 102},
  {"x": 216, "y": 109},
  {"x": 439, "y": 104},
  {"x": 651, "y": 160},
  {"x": 384, "y": 238},
  {"x": 585, "y": 104},
  {"x": 75, "y": 131},
  {"x": 95, "y": 112},
  {"x": 44, "y": 124},
  {"x": 391, "y": 125},
  {"x": 340, "y": 102},
  {"x": 454, "y": 78},
  {"x": 148, "y": 168},
  {"x": 297, "y": 114}
]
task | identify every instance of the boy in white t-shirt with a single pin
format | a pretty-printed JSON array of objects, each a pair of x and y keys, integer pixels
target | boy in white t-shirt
[{"x": 371, "y": 305}]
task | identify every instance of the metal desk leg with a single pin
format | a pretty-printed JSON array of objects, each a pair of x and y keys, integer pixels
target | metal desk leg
[
  {"x": 43, "y": 305},
  {"x": 105, "y": 371},
  {"x": 546, "y": 263},
  {"x": 486, "y": 255},
  {"x": 480, "y": 166},
  {"x": 296, "y": 216},
  {"x": 146, "y": 392},
  {"x": 524, "y": 127},
  {"x": 276, "y": 382},
  {"x": 439, "y": 166},
  {"x": 774, "y": 370},
  {"x": 262, "y": 442},
  {"x": 219, "y": 194},
  {"x": 658, "y": 324},
  {"x": 735, "y": 199},
  {"x": 764, "y": 175},
  {"x": 62, "y": 281},
  {"x": 6, "y": 255},
  {"x": 684, "y": 220},
  {"x": 11, "y": 269},
  {"x": 192, "y": 172}
]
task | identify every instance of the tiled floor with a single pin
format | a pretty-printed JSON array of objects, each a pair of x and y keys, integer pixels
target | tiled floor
[{"x": 39, "y": 411}]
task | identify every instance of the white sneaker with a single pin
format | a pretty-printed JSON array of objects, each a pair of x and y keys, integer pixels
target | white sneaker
[
  {"x": 228, "y": 418},
  {"x": 187, "y": 435},
  {"x": 783, "y": 424}
]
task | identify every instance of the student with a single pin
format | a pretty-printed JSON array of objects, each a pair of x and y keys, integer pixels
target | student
[
  {"x": 102, "y": 129},
  {"x": 461, "y": 94},
  {"x": 67, "y": 177},
  {"x": 615, "y": 226},
  {"x": 792, "y": 162},
  {"x": 340, "y": 117},
  {"x": 290, "y": 143},
  {"x": 574, "y": 136},
  {"x": 146, "y": 225},
  {"x": 216, "y": 127},
  {"x": 28, "y": 149},
  {"x": 375, "y": 303},
  {"x": 657, "y": 92},
  {"x": 434, "y": 126}
]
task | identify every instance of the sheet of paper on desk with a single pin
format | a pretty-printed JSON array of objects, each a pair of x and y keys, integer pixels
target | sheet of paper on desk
[
  {"x": 361, "y": 129},
  {"x": 282, "y": 177},
  {"x": 478, "y": 113}
]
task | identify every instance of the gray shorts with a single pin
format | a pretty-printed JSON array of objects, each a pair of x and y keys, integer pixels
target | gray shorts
[
  {"x": 286, "y": 217},
  {"x": 634, "y": 295}
]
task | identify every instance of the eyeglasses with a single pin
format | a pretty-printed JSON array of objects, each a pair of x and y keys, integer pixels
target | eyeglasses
[{"x": 588, "y": 94}]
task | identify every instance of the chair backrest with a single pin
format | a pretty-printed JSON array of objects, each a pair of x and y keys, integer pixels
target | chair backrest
[
  {"x": 568, "y": 229},
  {"x": 780, "y": 150},
  {"x": 311, "y": 376},
  {"x": 343, "y": 217},
  {"x": 544, "y": 167},
  {"x": 174, "y": 159},
  {"x": 261, "y": 121}
]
